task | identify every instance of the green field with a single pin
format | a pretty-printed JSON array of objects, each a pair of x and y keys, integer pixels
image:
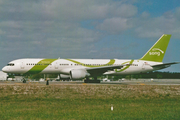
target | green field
[{"x": 89, "y": 102}]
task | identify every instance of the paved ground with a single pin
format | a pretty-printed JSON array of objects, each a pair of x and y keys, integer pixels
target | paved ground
[{"x": 124, "y": 82}]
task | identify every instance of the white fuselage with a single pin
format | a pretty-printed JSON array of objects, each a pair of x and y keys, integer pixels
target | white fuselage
[{"x": 64, "y": 66}]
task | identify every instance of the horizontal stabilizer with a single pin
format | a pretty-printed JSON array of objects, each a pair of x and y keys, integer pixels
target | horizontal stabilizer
[{"x": 165, "y": 65}]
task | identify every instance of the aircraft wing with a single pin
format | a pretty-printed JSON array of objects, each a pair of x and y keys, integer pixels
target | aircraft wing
[
  {"x": 165, "y": 65},
  {"x": 100, "y": 70}
]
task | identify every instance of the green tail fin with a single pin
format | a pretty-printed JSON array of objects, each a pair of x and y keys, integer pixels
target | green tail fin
[{"x": 157, "y": 51}]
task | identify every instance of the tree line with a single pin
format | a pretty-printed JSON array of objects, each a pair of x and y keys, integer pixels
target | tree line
[{"x": 154, "y": 75}]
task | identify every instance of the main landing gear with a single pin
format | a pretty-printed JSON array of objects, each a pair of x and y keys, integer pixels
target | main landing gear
[{"x": 92, "y": 81}]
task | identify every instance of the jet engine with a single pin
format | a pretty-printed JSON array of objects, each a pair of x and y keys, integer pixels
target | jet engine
[{"x": 78, "y": 74}]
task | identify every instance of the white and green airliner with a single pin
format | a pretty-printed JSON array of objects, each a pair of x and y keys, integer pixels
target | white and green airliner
[{"x": 76, "y": 69}]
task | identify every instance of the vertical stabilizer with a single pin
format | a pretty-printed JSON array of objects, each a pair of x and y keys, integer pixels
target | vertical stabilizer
[{"x": 157, "y": 51}]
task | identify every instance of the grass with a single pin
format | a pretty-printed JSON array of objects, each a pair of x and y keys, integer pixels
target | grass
[{"x": 89, "y": 102}]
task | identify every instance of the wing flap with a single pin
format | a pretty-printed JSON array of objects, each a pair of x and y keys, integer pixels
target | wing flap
[{"x": 100, "y": 70}]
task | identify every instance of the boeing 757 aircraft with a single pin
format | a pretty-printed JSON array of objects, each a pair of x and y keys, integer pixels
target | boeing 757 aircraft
[{"x": 76, "y": 69}]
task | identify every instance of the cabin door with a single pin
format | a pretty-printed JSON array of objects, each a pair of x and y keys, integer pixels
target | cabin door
[{"x": 22, "y": 65}]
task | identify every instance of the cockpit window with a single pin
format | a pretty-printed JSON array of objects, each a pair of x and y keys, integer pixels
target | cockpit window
[{"x": 10, "y": 64}]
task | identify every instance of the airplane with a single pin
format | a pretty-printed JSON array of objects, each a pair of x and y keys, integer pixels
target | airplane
[{"x": 76, "y": 69}]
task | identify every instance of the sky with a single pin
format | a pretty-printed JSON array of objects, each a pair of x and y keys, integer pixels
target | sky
[{"x": 101, "y": 29}]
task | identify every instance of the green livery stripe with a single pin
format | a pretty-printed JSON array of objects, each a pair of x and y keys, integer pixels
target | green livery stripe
[
  {"x": 130, "y": 62},
  {"x": 40, "y": 66},
  {"x": 111, "y": 62}
]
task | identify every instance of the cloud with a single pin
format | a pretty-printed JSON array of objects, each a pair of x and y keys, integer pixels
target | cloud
[
  {"x": 41, "y": 19},
  {"x": 123, "y": 10},
  {"x": 167, "y": 23},
  {"x": 114, "y": 25},
  {"x": 57, "y": 23},
  {"x": 145, "y": 15},
  {"x": 76, "y": 10}
]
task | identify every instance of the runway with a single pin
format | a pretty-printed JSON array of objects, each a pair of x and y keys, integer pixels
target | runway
[{"x": 121, "y": 82}]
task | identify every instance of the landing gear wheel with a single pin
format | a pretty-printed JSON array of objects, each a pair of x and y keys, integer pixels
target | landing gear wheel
[
  {"x": 92, "y": 81},
  {"x": 24, "y": 81},
  {"x": 47, "y": 83}
]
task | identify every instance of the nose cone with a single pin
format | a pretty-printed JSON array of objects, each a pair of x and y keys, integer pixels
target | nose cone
[{"x": 5, "y": 69}]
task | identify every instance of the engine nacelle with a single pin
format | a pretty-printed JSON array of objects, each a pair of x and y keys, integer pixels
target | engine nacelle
[
  {"x": 64, "y": 77},
  {"x": 77, "y": 74}
]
